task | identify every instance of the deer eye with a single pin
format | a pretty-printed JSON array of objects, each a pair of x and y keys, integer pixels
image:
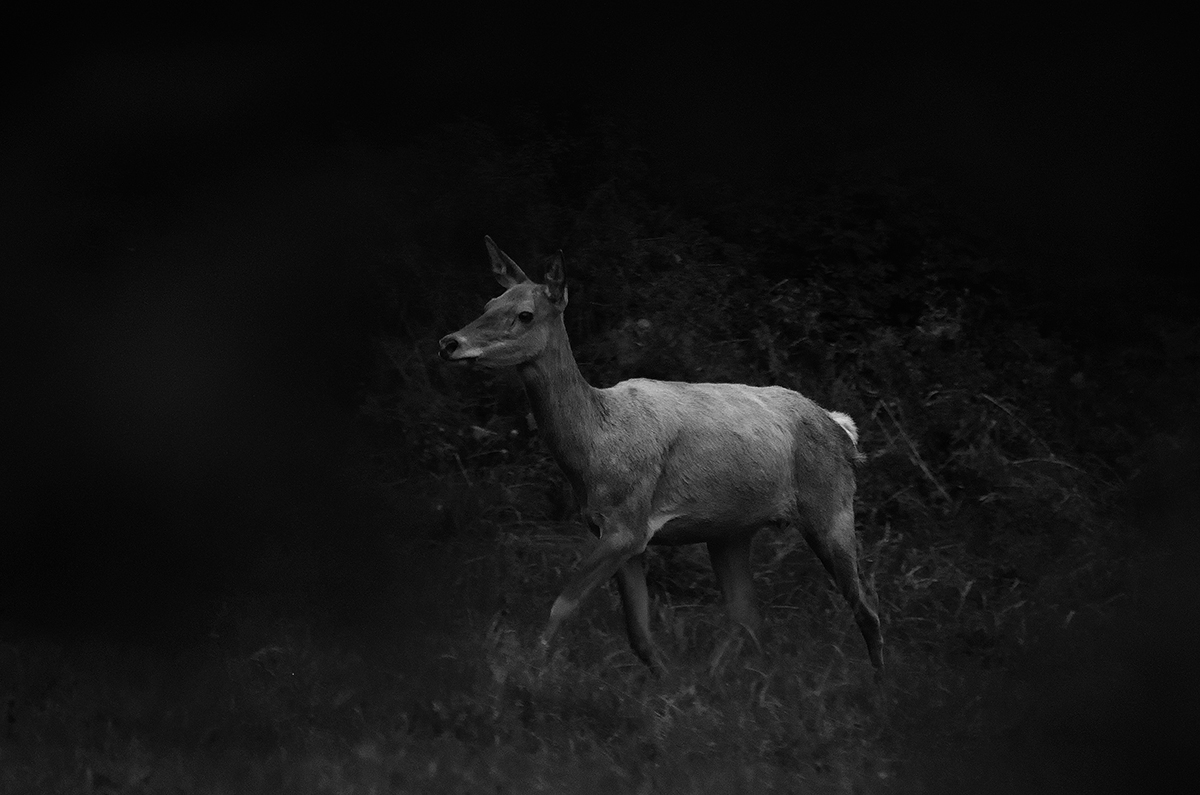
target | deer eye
[{"x": 525, "y": 317}]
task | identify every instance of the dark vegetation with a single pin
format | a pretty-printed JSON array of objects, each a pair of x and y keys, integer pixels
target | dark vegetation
[{"x": 363, "y": 543}]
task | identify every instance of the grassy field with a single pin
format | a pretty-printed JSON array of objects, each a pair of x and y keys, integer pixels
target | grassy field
[{"x": 425, "y": 681}]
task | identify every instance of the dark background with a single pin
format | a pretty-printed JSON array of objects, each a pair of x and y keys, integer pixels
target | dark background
[
  {"x": 206, "y": 236},
  {"x": 187, "y": 333}
]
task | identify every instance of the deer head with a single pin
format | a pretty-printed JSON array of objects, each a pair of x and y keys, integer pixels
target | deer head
[{"x": 515, "y": 326}]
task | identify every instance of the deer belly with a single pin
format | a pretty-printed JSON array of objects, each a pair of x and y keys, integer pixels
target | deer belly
[
  {"x": 711, "y": 522},
  {"x": 716, "y": 484}
]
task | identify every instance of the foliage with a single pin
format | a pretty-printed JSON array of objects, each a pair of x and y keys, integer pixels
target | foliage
[{"x": 999, "y": 451}]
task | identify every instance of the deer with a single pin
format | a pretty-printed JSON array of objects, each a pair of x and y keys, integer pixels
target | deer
[{"x": 666, "y": 463}]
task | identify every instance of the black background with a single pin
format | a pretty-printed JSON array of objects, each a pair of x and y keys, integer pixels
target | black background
[{"x": 173, "y": 211}]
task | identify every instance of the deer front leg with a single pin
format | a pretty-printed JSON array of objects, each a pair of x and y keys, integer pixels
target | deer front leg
[
  {"x": 608, "y": 555},
  {"x": 635, "y": 599}
]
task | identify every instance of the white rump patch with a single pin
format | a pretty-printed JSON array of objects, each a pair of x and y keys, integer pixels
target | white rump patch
[{"x": 847, "y": 424}]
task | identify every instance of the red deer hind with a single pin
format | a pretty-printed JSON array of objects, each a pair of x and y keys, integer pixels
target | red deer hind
[{"x": 663, "y": 462}]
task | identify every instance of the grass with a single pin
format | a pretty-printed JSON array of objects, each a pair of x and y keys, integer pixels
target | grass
[
  {"x": 304, "y": 715},
  {"x": 438, "y": 689}
]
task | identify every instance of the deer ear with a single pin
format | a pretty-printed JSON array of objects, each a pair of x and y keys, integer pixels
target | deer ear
[
  {"x": 556, "y": 281},
  {"x": 507, "y": 272}
]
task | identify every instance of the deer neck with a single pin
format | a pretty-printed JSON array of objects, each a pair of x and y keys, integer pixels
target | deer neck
[{"x": 568, "y": 409}]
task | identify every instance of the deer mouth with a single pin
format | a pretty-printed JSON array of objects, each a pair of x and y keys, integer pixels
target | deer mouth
[{"x": 452, "y": 350}]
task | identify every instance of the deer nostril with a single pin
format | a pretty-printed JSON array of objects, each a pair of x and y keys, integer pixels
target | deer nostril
[{"x": 449, "y": 344}]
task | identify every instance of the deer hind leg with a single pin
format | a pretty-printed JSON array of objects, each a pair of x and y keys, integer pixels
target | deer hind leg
[
  {"x": 731, "y": 562},
  {"x": 604, "y": 561},
  {"x": 834, "y": 542},
  {"x": 631, "y": 581}
]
